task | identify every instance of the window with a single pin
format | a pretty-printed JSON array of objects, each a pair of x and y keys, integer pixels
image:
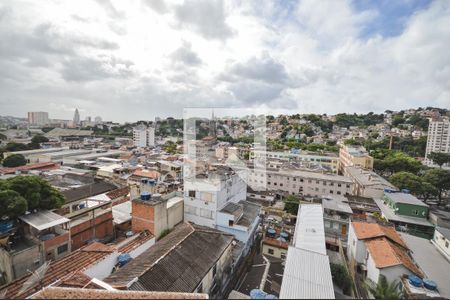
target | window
[
  {"x": 281, "y": 184},
  {"x": 348, "y": 186},
  {"x": 230, "y": 223},
  {"x": 339, "y": 185},
  {"x": 331, "y": 192},
  {"x": 295, "y": 179},
  {"x": 416, "y": 212},
  {"x": 270, "y": 250},
  {"x": 192, "y": 194},
  {"x": 338, "y": 192},
  {"x": 62, "y": 248}
]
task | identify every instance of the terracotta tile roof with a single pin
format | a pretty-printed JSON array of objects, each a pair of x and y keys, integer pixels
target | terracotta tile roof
[
  {"x": 136, "y": 242},
  {"x": 364, "y": 231},
  {"x": 76, "y": 261},
  {"x": 386, "y": 254},
  {"x": 44, "y": 166},
  {"x": 70, "y": 293},
  {"x": 275, "y": 243},
  {"x": 147, "y": 173},
  {"x": 78, "y": 280},
  {"x": 121, "y": 192}
]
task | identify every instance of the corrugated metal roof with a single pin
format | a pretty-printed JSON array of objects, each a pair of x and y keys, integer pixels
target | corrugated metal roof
[
  {"x": 307, "y": 275},
  {"x": 309, "y": 229}
]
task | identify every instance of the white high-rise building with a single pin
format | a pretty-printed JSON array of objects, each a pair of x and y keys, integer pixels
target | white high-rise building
[
  {"x": 438, "y": 138},
  {"x": 76, "y": 117},
  {"x": 98, "y": 119},
  {"x": 144, "y": 136},
  {"x": 38, "y": 118}
]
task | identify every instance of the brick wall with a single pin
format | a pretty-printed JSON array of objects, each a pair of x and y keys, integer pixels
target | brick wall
[
  {"x": 142, "y": 217},
  {"x": 84, "y": 232}
]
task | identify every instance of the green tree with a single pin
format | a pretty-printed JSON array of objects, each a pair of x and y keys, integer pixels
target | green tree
[
  {"x": 39, "y": 138},
  {"x": 439, "y": 158},
  {"x": 38, "y": 192},
  {"x": 291, "y": 204},
  {"x": 341, "y": 277},
  {"x": 416, "y": 184},
  {"x": 396, "y": 161},
  {"x": 14, "y": 160},
  {"x": 12, "y": 204},
  {"x": 170, "y": 147},
  {"x": 385, "y": 289},
  {"x": 440, "y": 179},
  {"x": 11, "y": 147}
]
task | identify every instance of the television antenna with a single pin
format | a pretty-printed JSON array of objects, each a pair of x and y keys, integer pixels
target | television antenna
[{"x": 36, "y": 277}]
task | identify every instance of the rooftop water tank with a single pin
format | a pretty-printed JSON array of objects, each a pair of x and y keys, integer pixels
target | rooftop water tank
[
  {"x": 123, "y": 259},
  {"x": 146, "y": 196},
  {"x": 415, "y": 281},
  {"x": 429, "y": 284},
  {"x": 152, "y": 181},
  {"x": 271, "y": 232},
  {"x": 257, "y": 294},
  {"x": 144, "y": 180},
  {"x": 284, "y": 235},
  {"x": 406, "y": 191}
]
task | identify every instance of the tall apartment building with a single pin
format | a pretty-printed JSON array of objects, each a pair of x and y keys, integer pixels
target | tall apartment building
[
  {"x": 354, "y": 156},
  {"x": 76, "y": 117},
  {"x": 438, "y": 138},
  {"x": 38, "y": 118},
  {"x": 144, "y": 136}
]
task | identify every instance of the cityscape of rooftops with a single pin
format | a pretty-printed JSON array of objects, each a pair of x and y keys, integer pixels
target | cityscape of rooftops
[{"x": 218, "y": 149}]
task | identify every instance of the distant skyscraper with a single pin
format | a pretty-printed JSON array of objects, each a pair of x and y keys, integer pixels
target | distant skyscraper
[
  {"x": 438, "y": 138},
  {"x": 212, "y": 125},
  {"x": 38, "y": 118},
  {"x": 76, "y": 117}
]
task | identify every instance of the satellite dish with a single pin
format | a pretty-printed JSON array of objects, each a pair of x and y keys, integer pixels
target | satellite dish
[{"x": 36, "y": 277}]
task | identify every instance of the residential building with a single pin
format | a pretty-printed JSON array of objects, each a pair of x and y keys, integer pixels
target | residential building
[
  {"x": 39, "y": 118},
  {"x": 205, "y": 195},
  {"x": 219, "y": 201},
  {"x": 336, "y": 213},
  {"x": 367, "y": 183},
  {"x": 192, "y": 259},
  {"x": 275, "y": 247},
  {"x": 408, "y": 213},
  {"x": 438, "y": 138},
  {"x": 307, "y": 273},
  {"x": 327, "y": 161},
  {"x": 350, "y": 156},
  {"x": 379, "y": 250},
  {"x": 144, "y": 136},
  {"x": 296, "y": 182},
  {"x": 441, "y": 240}
]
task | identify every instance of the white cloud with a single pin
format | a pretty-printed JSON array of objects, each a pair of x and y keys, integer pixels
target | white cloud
[{"x": 146, "y": 58}]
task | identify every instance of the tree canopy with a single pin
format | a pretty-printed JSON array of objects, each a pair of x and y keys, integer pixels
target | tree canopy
[
  {"x": 35, "y": 191},
  {"x": 439, "y": 158},
  {"x": 14, "y": 160}
]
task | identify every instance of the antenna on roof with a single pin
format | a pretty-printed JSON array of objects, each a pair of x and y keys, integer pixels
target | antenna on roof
[{"x": 36, "y": 278}]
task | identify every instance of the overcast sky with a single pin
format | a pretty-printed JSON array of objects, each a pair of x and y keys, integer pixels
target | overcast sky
[{"x": 137, "y": 59}]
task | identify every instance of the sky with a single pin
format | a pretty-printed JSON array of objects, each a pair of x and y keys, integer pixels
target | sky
[{"x": 138, "y": 59}]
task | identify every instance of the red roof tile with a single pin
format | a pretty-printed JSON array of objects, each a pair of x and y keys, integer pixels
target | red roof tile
[
  {"x": 76, "y": 261},
  {"x": 70, "y": 293},
  {"x": 364, "y": 231},
  {"x": 147, "y": 173},
  {"x": 387, "y": 254}
]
